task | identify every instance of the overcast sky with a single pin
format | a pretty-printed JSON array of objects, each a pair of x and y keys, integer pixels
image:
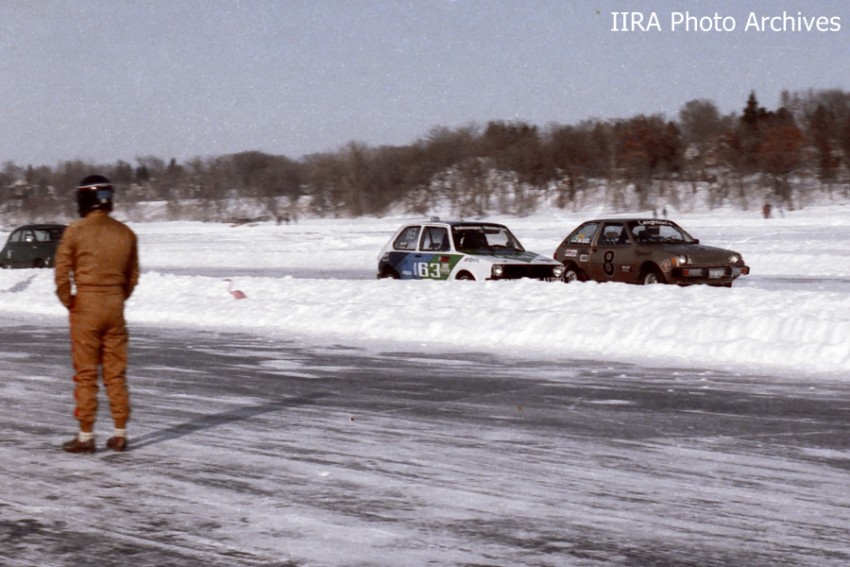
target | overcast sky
[{"x": 103, "y": 80}]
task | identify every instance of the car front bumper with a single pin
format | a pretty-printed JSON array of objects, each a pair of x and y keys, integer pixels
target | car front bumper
[
  {"x": 713, "y": 275},
  {"x": 546, "y": 272}
]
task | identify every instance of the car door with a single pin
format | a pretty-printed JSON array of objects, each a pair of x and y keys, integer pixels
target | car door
[
  {"x": 433, "y": 259},
  {"x": 612, "y": 254}
]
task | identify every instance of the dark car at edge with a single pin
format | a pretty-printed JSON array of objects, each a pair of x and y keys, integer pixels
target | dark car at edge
[{"x": 32, "y": 246}]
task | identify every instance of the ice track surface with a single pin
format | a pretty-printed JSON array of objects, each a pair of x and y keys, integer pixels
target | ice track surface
[{"x": 255, "y": 451}]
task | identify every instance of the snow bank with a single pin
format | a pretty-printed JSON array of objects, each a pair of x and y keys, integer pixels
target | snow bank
[{"x": 792, "y": 314}]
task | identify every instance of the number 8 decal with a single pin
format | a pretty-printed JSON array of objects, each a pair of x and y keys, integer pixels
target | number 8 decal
[{"x": 608, "y": 266}]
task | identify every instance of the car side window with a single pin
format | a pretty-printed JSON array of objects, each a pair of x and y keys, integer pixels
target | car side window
[
  {"x": 614, "y": 234},
  {"x": 584, "y": 234},
  {"x": 435, "y": 238},
  {"x": 407, "y": 239},
  {"x": 17, "y": 236}
]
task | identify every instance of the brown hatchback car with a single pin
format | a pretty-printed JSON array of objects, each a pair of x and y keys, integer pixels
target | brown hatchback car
[{"x": 645, "y": 251}]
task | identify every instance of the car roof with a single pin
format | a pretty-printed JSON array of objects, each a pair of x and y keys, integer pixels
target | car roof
[
  {"x": 41, "y": 226},
  {"x": 455, "y": 223},
  {"x": 630, "y": 219}
]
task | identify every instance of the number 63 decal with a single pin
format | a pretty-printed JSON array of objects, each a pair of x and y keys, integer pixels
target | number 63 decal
[{"x": 426, "y": 270}]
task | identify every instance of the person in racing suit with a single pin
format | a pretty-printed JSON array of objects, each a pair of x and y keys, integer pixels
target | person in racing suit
[{"x": 96, "y": 270}]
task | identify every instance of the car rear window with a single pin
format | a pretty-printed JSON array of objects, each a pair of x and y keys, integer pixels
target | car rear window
[
  {"x": 584, "y": 234},
  {"x": 406, "y": 240}
]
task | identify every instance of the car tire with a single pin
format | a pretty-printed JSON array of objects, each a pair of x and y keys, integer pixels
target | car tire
[
  {"x": 391, "y": 274},
  {"x": 651, "y": 276},
  {"x": 465, "y": 276},
  {"x": 573, "y": 273}
]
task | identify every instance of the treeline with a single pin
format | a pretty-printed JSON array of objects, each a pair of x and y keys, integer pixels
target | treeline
[{"x": 507, "y": 166}]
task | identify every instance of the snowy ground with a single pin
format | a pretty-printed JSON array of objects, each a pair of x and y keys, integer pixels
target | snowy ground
[{"x": 316, "y": 279}]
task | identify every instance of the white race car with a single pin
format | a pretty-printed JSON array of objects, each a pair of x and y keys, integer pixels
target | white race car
[{"x": 459, "y": 250}]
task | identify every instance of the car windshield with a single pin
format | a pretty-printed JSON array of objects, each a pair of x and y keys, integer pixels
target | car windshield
[
  {"x": 658, "y": 231},
  {"x": 488, "y": 237}
]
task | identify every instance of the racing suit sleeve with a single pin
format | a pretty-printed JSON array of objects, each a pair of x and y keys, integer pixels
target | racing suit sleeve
[
  {"x": 64, "y": 267},
  {"x": 132, "y": 274}
]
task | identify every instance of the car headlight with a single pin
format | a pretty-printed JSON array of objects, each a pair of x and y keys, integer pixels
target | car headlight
[
  {"x": 734, "y": 259},
  {"x": 558, "y": 271},
  {"x": 497, "y": 270},
  {"x": 681, "y": 260}
]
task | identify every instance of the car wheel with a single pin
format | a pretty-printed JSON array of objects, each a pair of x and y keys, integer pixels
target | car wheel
[
  {"x": 38, "y": 263},
  {"x": 651, "y": 276},
  {"x": 574, "y": 274},
  {"x": 465, "y": 276},
  {"x": 392, "y": 274}
]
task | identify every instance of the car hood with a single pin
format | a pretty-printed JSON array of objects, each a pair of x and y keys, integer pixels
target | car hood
[
  {"x": 511, "y": 257},
  {"x": 699, "y": 253}
]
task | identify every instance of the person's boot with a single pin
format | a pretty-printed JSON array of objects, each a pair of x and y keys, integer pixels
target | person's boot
[
  {"x": 77, "y": 446},
  {"x": 117, "y": 443}
]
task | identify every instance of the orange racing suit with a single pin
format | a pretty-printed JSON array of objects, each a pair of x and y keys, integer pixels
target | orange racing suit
[{"x": 100, "y": 255}]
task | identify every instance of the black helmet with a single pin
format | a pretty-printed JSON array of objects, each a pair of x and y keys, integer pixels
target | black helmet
[{"x": 94, "y": 192}]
